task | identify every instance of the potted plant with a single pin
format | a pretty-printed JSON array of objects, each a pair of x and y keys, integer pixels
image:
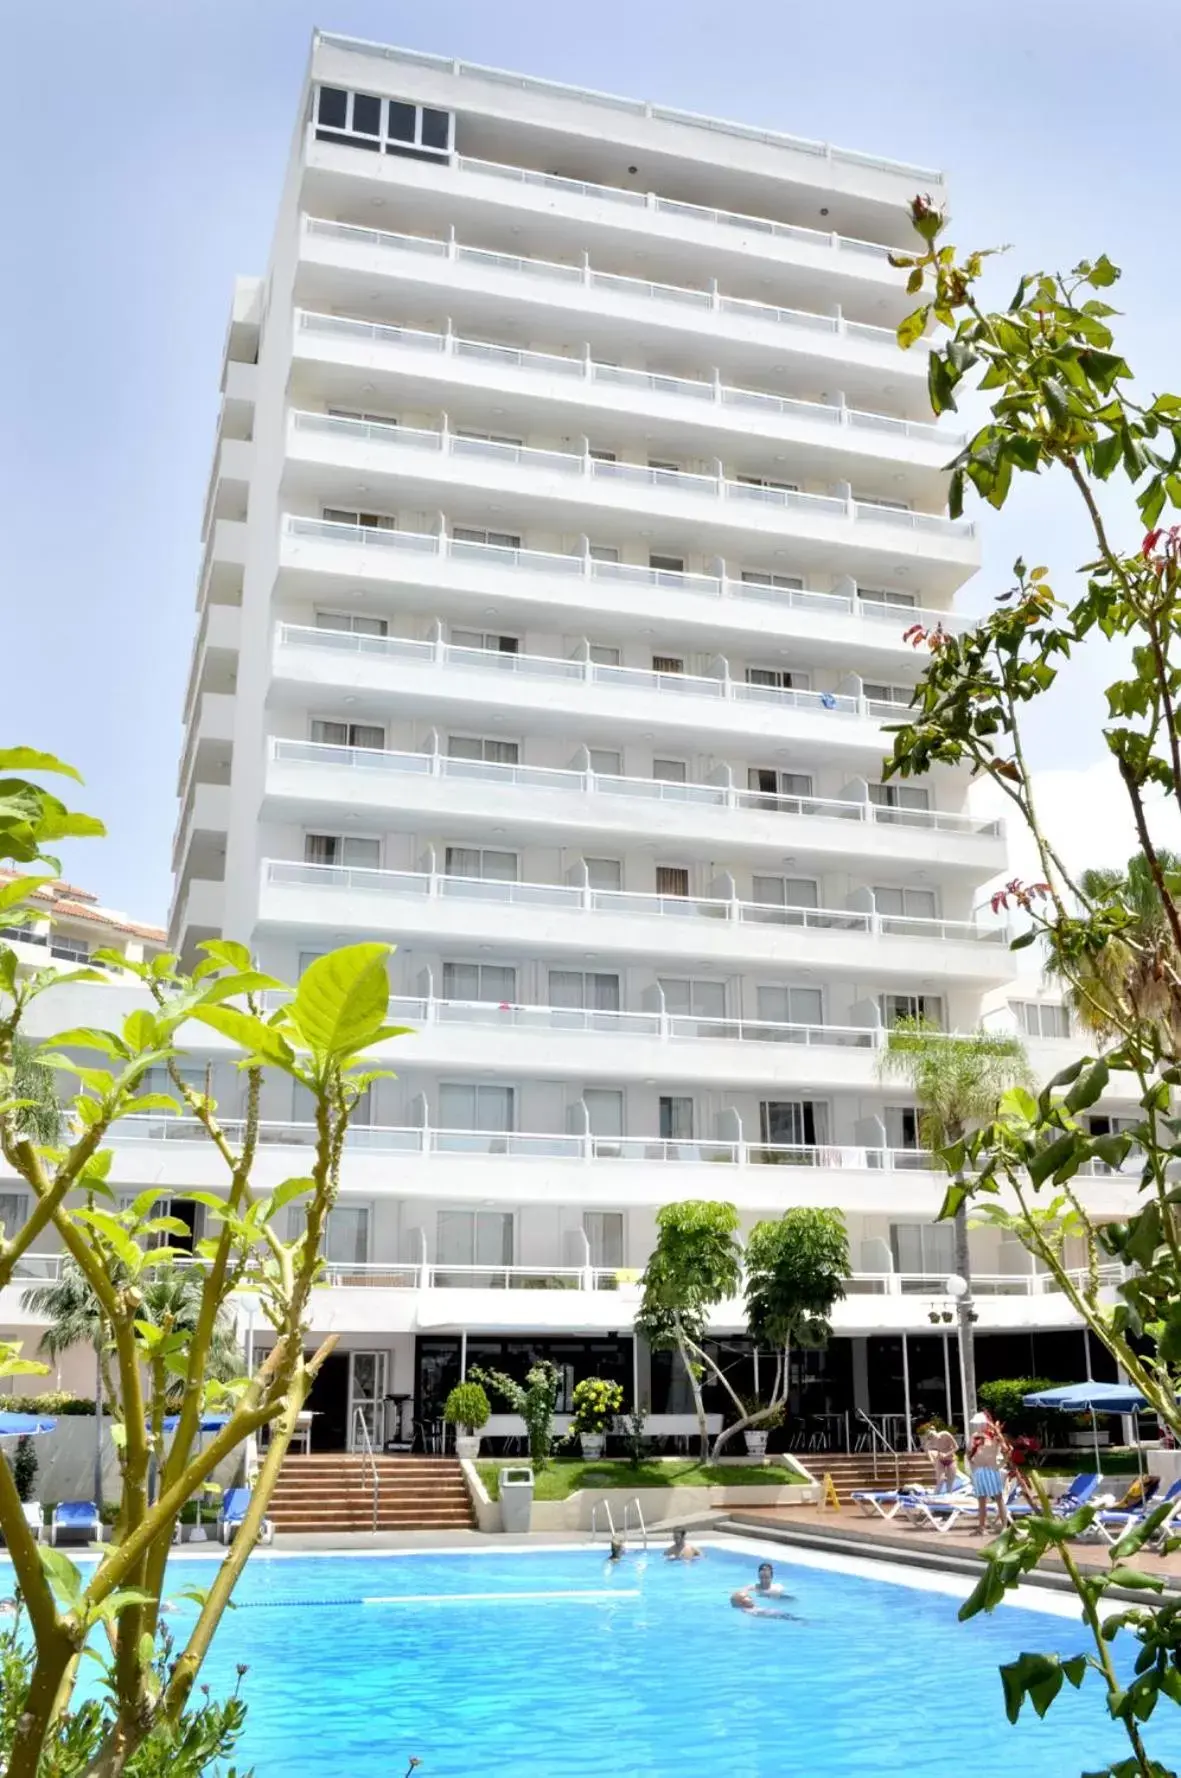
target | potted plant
[
  {"x": 467, "y": 1410},
  {"x": 755, "y": 1437},
  {"x": 595, "y": 1403}
]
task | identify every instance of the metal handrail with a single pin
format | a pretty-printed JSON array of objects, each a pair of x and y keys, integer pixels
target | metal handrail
[
  {"x": 643, "y": 1529},
  {"x": 606, "y": 1506},
  {"x": 878, "y": 1433},
  {"x": 367, "y": 1450}
]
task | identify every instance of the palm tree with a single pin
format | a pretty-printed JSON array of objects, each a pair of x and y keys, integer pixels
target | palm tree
[
  {"x": 32, "y": 1080},
  {"x": 957, "y": 1082},
  {"x": 1134, "y": 973},
  {"x": 171, "y": 1296}
]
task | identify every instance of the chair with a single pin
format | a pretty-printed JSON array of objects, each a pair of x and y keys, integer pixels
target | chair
[
  {"x": 80, "y": 1516},
  {"x": 886, "y": 1503},
  {"x": 1110, "y": 1523},
  {"x": 943, "y": 1512},
  {"x": 233, "y": 1509},
  {"x": 1077, "y": 1494}
]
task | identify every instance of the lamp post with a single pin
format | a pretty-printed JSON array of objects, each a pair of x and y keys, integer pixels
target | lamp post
[{"x": 961, "y": 1291}]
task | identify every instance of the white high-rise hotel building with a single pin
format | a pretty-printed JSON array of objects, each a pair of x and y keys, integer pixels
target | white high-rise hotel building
[{"x": 570, "y": 500}]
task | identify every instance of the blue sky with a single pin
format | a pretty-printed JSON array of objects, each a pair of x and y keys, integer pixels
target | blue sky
[{"x": 151, "y": 136}]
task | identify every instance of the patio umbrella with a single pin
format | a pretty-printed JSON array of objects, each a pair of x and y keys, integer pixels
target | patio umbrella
[
  {"x": 1097, "y": 1398},
  {"x": 25, "y": 1425}
]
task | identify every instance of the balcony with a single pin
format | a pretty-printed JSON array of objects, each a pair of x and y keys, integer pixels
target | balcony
[
  {"x": 571, "y": 490},
  {"x": 744, "y": 337},
  {"x": 435, "y": 369},
  {"x": 565, "y": 214},
  {"x": 304, "y": 778},
  {"x": 557, "y": 917},
  {"x": 434, "y": 677},
  {"x": 836, "y": 626}
]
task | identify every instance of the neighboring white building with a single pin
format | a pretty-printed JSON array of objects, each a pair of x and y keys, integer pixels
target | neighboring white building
[
  {"x": 570, "y": 502},
  {"x": 69, "y": 926}
]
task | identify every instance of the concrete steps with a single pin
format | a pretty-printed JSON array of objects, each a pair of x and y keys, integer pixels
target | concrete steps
[{"x": 333, "y": 1491}]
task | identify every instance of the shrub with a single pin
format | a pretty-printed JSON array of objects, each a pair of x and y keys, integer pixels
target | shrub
[
  {"x": 24, "y": 1466},
  {"x": 467, "y": 1406},
  {"x": 769, "y": 1417},
  {"x": 54, "y": 1401},
  {"x": 595, "y": 1403},
  {"x": 1004, "y": 1400}
]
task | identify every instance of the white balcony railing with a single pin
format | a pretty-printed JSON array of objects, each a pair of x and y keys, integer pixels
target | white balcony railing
[
  {"x": 586, "y": 370},
  {"x": 354, "y": 879},
  {"x": 583, "y": 466},
  {"x": 528, "y": 83},
  {"x": 663, "y": 1026},
  {"x": 684, "y": 296},
  {"x": 533, "y": 561},
  {"x": 588, "y": 783},
  {"x": 719, "y": 686}
]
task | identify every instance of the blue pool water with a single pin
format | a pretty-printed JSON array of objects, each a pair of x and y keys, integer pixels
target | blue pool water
[{"x": 524, "y": 1664}]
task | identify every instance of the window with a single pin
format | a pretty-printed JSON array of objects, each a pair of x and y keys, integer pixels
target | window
[
  {"x": 662, "y": 467},
  {"x": 363, "y": 120},
  {"x": 925, "y": 1250},
  {"x": 788, "y": 790},
  {"x": 666, "y": 565},
  {"x": 767, "y": 485},
  {"x": 492, "y": 983},
  {"x": 488, "y": 1108},
  {"x": 883, "y": 600},
  {"x": 672, "y": 879},
  {"x": 777, "y": 678},
  {"x": 371, "y": 419},
  {"x": 584, "y": 990},
  {"x": 352, "y": 623},
  {"x": 341, "y": 849},
  {"x": 676, "y": 1118},
  {"x": 605, "y": 762},
  {"x": 604, "y": 656},
  {"x": 346, "y": 1233},
  {"x": 684, "y": 998},
  {"x": 667, "y": 663},
  {"x": 906, "y": 904},
  {"x": 474, "y": 1238},
  {"x": 604, "y": 457},
  {"x": 886, "y": 694},
  {"x": 68, "y": 950},
  {"x": 604, "y": 1237},
  {"x": 372, "y": 521},
  {"x": 900, "y": 804},
  {"x": 183, "y": 1209},
  {"x": 604, "y": 873},
  {"x": 912, "y": 1006},
  {"x": 785, "y": 892},
  {"x": 670, "y": 771},
  {"x": 604, "y": 1111},
  {"x": 759, "y": 577},
  {"x": 603, "y": 552},
  {"x": 1042, "y": 1018},
  {"x": 492, "y": 438},
  {"x": 330, "y": 733},
  {"x": 487, "y": 539},
  {"x": 484, "y": 748},
  {"x": 902, "y": 1127},
  {"x": 793, "y": 1123},
  {"x": 14, "y": 1211},
  {"x": 480, "y": 861},
  {"x": 881, "y": 500},
  {"x": 485, "y": 639},
  {"x": 791, "y": 1006}
]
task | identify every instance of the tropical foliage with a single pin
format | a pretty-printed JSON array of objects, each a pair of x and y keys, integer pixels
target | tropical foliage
[
  {"x": 1062, "y": 401},
  {"x": 163, "y": 1357},
  {"x": 595, "y": 1402},
  {"x": 467, "y": 1406},
  {"x": 535, "y": 1400}
]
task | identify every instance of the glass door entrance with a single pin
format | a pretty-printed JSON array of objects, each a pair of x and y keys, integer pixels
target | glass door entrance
[{"x": 367, "y": 1387}]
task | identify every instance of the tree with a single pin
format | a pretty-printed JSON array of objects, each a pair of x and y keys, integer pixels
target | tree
[
  {"x": 957, "y": 1082},
  {"x": 316, "y": 1035},
  {"x": 796, "y": 1270},
  {"x": 1133, "y": 968},
  {"x": 1062, "y": 402},
  {"x": 40, "y": 1114},
  {"x": 695, "y": 1265}
]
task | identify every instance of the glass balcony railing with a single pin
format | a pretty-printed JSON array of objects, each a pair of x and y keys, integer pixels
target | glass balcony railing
[
  {"x": 586, "y": 370},
  {"x": 663, "y": 1026},
  {"x": 568, "y": 464},
  {"x": 581, "y": 899}
]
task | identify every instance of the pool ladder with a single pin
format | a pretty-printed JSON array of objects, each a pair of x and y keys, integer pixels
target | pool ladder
[{"x": 604, "y": 1506}]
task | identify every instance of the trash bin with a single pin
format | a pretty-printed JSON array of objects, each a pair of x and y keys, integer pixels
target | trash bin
[{"x": 516, "y": 1498}]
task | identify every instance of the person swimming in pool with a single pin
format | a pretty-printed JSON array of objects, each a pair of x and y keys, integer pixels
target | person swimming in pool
[
  {"x": 743, "y": 1600},
  {"x": 618, "y": 1550},
  {"x": 765, "y": 1587},
  {"x": 680, "y": 1551}
]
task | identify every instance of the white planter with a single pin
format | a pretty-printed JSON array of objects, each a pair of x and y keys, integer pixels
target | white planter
[
  {"x": 467, "y": 1444},
  {"x": 756, "y": 1443},
  {"x": 592, "y": 1443},
  {"x": 1089, "y": 1439}
]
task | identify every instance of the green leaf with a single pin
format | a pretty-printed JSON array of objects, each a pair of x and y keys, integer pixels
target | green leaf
[
  {"x": 341, "y": 999},
  {"x": 1048, "y": 1160},
  {"x": 1136, "y": 1579},
  {"x": 1088, "y": 1087},
  {"x": 63, "y": 1576},
  {"x": 251, "y": 1034},
  {"x": 28, "y": 759},
  {"x": 226, "y": 953},
  {"x": 289, "y": 1190},
  {"x": 912, "y": 328}
]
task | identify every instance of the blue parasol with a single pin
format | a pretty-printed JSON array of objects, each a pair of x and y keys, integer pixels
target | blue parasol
[
  {"x": 25, "y": 1425},
  {"x": 1095, "y": 1398}
]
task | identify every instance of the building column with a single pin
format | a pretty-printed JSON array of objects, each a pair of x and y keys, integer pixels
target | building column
[{"x": 860, "y": 1347}]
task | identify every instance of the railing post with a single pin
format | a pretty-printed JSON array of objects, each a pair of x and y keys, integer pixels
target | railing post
[
  {"x": 712, "y": 287},
  {"x": 451, "y": 243}
]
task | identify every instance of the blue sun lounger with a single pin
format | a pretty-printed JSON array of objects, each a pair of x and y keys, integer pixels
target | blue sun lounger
[
  {"x": 887, "y": 1503},
  {"x": 234, "y": 1506},
  {"x": 1111, "y": 1522},
  {"x": 80, "y": 1517}
]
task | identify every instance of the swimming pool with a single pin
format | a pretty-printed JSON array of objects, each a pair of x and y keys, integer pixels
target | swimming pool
[{"x": 527, "y": 1663}]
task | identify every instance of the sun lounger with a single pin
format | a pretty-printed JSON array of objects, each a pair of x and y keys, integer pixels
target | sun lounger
[
  {"x": 1110, "y": 1523},
  {"x": 943, "y": 1512},
  {"x": 235, "y": 1503},
  {"x": 34, "y": 1517},
  {"x": 80, "y": 1517},
  {"x": 887, "y": 1503},
  {"x": 1080, "y": 1492}
]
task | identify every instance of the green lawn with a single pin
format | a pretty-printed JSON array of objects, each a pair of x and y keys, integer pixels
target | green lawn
[{"x": 564, "y": 1476}]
